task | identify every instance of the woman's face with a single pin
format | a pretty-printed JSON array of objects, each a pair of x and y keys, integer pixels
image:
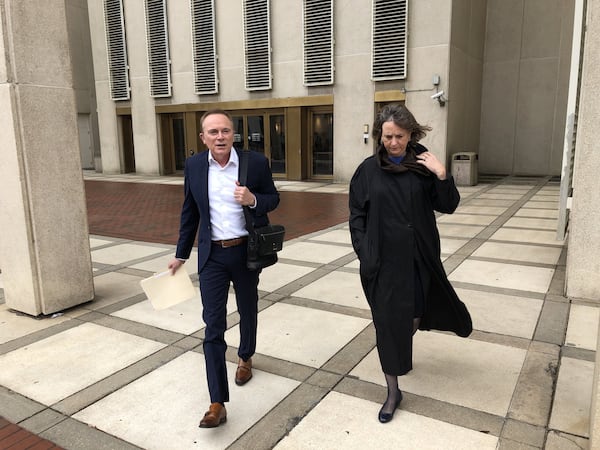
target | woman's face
[{"x": 394, "y": 138}]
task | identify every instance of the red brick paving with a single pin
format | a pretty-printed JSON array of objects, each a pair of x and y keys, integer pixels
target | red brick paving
[
  {"x": 150, "y": 212},
  {"x": 13, "y": 437}
]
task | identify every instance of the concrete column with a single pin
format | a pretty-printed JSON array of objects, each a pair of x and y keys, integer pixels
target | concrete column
[
  {"x": 583, "y": 264},
  {"x": 44, "y": 246}
]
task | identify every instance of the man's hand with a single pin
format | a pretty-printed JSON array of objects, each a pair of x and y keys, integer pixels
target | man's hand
[
  {"x": 175, "y": 264},
  {"x": 243, "y": 196}
]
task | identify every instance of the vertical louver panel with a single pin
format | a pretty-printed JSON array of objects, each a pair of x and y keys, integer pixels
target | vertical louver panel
[
  {"x": 203, "y": 47},
  {"x": 158, "y": 48},
  {"x": 257, "y": 45},
  {"x": 318, "y": 42},
  {"x": 389, "y": 39},
  {"x": 118, "y": 70}
]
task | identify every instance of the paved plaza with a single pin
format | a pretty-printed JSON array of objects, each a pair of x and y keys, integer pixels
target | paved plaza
[{"x": 116, "y": 374}]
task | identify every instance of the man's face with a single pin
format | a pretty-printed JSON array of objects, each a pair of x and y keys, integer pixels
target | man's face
[{"x": 217, "y": 135}]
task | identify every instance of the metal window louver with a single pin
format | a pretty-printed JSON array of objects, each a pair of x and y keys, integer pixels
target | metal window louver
[
  {"x": 158, "y": 48},
  {"x": 203, "y": 47},
  {"x": 389, "y": 39},
  {"x": 318, "y": 42},
  {"x": 257, "y": 45},
  {"x": 118, "y": 69}
]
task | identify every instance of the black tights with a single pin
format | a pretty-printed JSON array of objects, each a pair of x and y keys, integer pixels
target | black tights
[{"x": 394, "y": 393}]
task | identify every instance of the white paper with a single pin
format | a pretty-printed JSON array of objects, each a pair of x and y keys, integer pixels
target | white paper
[{"x": 165, "y": 290}]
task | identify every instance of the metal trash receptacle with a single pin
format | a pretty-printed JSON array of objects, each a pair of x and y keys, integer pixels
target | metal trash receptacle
[{"x": 464, "y": 168}]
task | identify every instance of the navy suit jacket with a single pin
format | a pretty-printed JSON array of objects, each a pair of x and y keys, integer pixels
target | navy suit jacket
[{"x": 195, "y": 214}]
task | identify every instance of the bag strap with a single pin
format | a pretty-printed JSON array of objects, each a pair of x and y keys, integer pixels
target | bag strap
[
  {"x": 244, "y": 167},
  {"x": 245, "y": 154}
]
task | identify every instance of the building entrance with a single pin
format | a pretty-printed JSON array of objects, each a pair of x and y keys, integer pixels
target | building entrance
[{"x": 264, "y": 132}]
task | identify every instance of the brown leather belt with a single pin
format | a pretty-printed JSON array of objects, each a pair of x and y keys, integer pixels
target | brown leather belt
[{"x": 231, "y": 242}]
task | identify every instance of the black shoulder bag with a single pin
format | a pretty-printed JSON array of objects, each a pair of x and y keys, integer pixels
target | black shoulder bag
[{"x": 263, "y": 242}]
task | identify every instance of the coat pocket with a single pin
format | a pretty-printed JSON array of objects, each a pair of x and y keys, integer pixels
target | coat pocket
[{"x": 369, "y": 258}]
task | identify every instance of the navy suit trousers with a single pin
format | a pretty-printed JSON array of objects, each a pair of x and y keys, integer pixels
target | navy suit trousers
[{"x": 224, "y": 266}]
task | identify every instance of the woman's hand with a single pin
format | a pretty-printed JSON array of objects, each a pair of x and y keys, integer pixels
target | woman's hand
[{"x": 430, "y": 161}]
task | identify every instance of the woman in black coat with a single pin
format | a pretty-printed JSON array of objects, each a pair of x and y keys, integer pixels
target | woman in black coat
[{"x": 393, "y": 196}]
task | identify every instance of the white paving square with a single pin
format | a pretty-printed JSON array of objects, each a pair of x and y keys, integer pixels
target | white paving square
[
  {"x": 314, "y": 252},
  {"x": 184, "y": 318},
  {"x": 510, "y": 276},
  {"x": 95, "y": 242},
  {"x": 87, "y": 353},
  {"x": 353, "y": 264},
  {"x": 158, "y": 265},
  {"x": 119, "y": 254},
  {"x": 526, "y": 222},
  {"x": 541, "y": 205},
  {"x": 341, "y": 421},
  {"x": 302, "y": 335},
  {"x": 500, "y": 195},
  {"x": 341, "y": 288},
  {"x": 468, "y": 190},
  {"x": 490, "y": 202},
  {"x": 509, "y": 190},
  {"x": 467, "y": 219},
  {"x": 465, "y": 372},
  {"x": 341, "y": 236},
  {"x": 280, "y": 274},
  {"x": 460, "y": 231},
  {"x": 519, "y": 252},
  {"x": 14, "y": 325},
  {"x": 449, "y": 246},
  {"x": 572, "y": 398},
  {"x": 527, "y": 236},
  {"x": 529, "y": 212},
  {"x": 546, "y": 197},
  {"x": 582, "y": 331},
  {"x": 162, "y": 409},
  {"x": 502, "y": 314},
  {"x": 486, "y": 210},
  {"x": 112, "y": 287}
]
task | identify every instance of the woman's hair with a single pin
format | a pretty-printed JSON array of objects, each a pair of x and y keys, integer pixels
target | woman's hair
[{"x": 403, "y": 118}]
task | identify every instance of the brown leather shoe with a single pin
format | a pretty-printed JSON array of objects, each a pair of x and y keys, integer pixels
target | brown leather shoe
[
  {"x": 243, "y": 372},
  {"x": 215, "y": 416}
]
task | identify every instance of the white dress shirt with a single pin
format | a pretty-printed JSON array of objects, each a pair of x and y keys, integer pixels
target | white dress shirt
[{"x": 226, "y": 215}]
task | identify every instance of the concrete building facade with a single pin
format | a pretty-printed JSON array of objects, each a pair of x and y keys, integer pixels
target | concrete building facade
[{"x": 504, "y": 83}]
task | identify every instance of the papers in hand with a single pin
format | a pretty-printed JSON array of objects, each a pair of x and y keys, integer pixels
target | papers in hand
[{"x": 165, "y": 290}]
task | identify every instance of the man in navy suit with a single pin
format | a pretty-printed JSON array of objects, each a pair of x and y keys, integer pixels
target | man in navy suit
[{"x": 213, "y": 203}]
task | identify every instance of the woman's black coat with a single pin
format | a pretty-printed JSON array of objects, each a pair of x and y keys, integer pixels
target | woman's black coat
[{"x": 394, "y": 234}]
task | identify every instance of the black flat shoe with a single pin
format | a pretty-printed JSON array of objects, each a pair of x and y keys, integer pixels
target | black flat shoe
[{"x": 386, "y": 417}]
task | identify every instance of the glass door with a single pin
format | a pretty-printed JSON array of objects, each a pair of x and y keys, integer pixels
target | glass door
[
  {"x": 277, "y": 143},
  {"x": 321, "y": 152},
  {"x": 178, "y": 130},
  {"x": 238, "y": 136},
  {"x": 263, "y": 132},
  {"x": 256, "y": 133}
]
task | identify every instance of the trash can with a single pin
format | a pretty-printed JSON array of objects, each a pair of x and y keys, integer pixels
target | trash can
[{"x": 464, "y": 168}]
